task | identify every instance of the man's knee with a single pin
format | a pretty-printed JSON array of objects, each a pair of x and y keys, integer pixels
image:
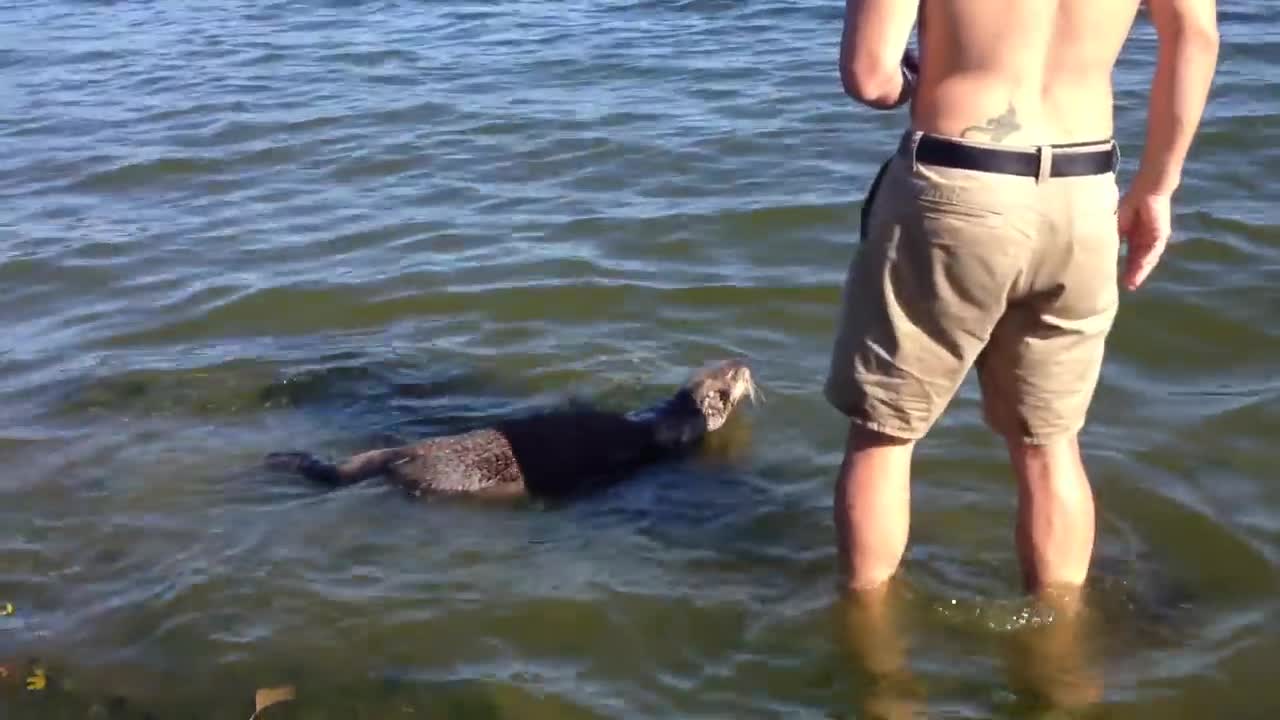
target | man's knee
[
  {"x": 1067, "y": 441},
  {"x": 1053, "y": 464}
]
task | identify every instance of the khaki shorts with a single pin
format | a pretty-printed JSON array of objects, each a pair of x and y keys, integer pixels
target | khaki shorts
[{"x": 1013, "y": 274}]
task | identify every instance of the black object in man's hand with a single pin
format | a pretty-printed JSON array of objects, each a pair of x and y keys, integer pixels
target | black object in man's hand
[
  {"x": 910, "y": 65},
  {"x": 910, "y": 62}
]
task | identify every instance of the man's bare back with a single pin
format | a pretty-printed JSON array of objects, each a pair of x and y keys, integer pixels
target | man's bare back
[
  {"x": 1031, "y": 72},
  {"x": 1017, "y": 71}
]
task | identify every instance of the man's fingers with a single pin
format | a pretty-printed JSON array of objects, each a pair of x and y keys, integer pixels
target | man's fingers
[
  {"x": 1135, "y": 273},
  {"x": 1133, "y": 277},
  {"x": 1143, "y": 224},
  {"x": 1140, "y": 262}
]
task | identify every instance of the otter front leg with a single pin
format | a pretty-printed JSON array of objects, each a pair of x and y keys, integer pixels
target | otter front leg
[
  {"x": 370, "y": 464},
  {"x": 352, "y": 470}
]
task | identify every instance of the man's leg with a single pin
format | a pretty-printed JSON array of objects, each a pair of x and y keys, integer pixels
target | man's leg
[
  {"x": 872, "y": 506},
  {"x": 1039, "y": 372},
  {"x": 872, "y": 516},
  {"x": 1055, "y": 535},
  {"x": 921, "y": 295},
  {"x": 1055, "y": 526}
]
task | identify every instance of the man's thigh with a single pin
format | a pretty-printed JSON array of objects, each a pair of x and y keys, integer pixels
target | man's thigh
[
  {"x": 940, "y": 250},
  {"x": 1041, "y": 368}
]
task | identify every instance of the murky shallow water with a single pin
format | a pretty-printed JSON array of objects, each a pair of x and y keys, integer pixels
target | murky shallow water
[{"x": 229, "y": 228}]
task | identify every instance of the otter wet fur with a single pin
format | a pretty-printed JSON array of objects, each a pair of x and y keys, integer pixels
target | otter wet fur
[{"x": 553, "y": 454}]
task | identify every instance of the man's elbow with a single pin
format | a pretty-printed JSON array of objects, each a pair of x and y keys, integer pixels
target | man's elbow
[
  {"x": 1193, "y": 32},
  {"x": 1200, "y": 37},
  {"x": 1207, "y": 40},
  {"x": 1195, "y": 47},
  {"x": 872, "y": 84}
]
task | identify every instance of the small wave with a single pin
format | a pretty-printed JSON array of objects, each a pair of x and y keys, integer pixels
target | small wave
[{"x": 147, "y": 173}]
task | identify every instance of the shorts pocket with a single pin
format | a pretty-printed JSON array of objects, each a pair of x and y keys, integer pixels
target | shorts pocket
[
  {"x": 931, "y": 206},
  {"x": 985, "y": 199}
]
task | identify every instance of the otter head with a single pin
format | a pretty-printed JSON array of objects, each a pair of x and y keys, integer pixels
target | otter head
[{"x": 718, "y": 388}]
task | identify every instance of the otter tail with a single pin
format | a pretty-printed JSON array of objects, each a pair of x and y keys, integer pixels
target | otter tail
[{"x": 352, "y": 470}]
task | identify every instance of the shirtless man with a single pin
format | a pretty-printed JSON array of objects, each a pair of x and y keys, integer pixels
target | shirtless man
[{"x": 990, "y": 240}]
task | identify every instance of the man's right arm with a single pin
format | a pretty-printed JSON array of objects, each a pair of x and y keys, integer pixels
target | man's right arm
[
  {"x": 1187, "y": 33},
  {"x": 876, "y": 67}
]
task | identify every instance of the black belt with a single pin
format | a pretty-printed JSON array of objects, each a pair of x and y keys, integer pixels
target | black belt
[{"x": 934, "y": 150}]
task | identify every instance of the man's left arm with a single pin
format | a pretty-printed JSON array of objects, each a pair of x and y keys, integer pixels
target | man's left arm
[{"x": 876, "y": 68}]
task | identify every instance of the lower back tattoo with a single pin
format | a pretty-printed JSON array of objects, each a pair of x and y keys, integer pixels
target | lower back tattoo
[{"x": 997, "y": 128}]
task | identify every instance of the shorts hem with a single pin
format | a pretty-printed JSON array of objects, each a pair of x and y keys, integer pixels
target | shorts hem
[
  {"x": 898, "y": 433},
  {"x": 859, "y": 416},
  {"x": 1037, "y": 439}
]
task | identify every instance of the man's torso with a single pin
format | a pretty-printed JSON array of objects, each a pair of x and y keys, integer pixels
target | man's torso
[{"x": 1019, "y": 71}]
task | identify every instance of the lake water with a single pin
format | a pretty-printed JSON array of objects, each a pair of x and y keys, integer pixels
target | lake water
[{"x": 229, "y": 227}]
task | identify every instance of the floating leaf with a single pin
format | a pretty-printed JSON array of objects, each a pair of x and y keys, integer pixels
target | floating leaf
[
  {"x": 266, "y": 697},
  {"x": 37, "y": 680}
]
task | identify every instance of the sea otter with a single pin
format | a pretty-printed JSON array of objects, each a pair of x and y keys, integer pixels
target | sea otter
[{"x": 552, "y": 454}]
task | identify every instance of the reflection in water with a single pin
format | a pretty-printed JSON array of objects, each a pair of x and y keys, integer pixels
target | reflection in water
[
  {"x": 876, "y": 638},
  {"x": 1050, "y": 656}
]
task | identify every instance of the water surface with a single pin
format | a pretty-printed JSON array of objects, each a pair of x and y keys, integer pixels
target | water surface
[{"x": 227, "y": 228}]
